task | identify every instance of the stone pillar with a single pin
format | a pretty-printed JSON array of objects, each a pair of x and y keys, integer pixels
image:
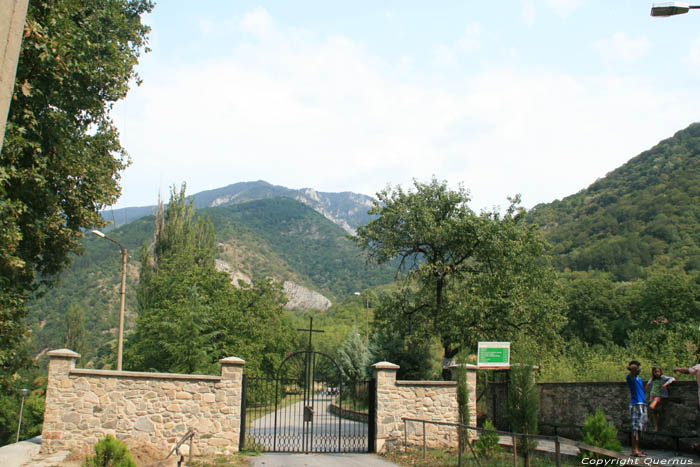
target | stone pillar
[
  {"x": 470, "y": 375},
  {"x": 232, "y": 380},
  {"x": 58, "y": 387},
  {"x": 387, "y": 421}
]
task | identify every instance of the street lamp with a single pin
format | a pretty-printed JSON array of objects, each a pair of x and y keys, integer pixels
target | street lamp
[
  {"x": 21, "y": 409},
  {"x": 120, "y": 338},
  {"x": 367, "y": 315},
  {"x": 671, "y": 8}
]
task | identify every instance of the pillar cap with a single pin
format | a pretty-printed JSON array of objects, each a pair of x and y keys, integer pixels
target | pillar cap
[
  {"x": 385, "y": 366},
  {"x": 63, "y": 353},
  {"x": 232, "y": 361}
]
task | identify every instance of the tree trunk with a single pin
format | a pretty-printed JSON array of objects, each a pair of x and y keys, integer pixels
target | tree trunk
[{"x": 449, "y": 354}]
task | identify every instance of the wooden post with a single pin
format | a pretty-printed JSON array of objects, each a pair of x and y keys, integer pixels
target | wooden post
[
  {"x": 557, "y": 450},
  {"x": 459, "y": 446},
  {"x": 515, "y": 451}
]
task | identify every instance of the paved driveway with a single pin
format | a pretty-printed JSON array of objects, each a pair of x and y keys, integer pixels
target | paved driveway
[
  {"x": 318, "y": 460},
  {"x": 327, "y": 433}
]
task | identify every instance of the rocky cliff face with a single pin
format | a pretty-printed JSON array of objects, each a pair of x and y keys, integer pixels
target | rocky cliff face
[
  {"x": 298, "y": 297},
  {"x": 301, "y": 298}
]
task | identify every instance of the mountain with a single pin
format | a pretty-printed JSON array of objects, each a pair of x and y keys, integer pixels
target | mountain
[
  {"x": 282, "y": 238},
  {"x": 346, "y": 209},
  {"x": 643, "y": 214}
]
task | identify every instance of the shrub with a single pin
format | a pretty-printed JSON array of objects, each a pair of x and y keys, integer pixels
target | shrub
[
  {"x": 597, "y": 431},
  {"x": 523, "y": 407},
  {"x": 487, "y": 445},
  {"x": 110, "y": 452},
  {"x": 463, "y": 405}
]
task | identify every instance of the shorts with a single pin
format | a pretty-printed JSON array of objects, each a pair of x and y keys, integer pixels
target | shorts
[{"x": 638, "y": 413}]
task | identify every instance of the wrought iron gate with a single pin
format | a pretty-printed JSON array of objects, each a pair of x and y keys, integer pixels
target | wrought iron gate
[{"x": 308, "y": 407}]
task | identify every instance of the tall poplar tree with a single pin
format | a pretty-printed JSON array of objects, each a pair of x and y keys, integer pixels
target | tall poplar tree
[{"x": 190, "y": 314}]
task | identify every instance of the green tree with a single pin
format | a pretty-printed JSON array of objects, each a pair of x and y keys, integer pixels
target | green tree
[
  {"x": 61, "y": 158},
  {"x": 353, "y": 358},
  {"x": 523, "y": 407},
  {"x": 190, "y": 315},
  {"x": 666, "y": 298},
  {"x": 488, "y": 272},
  {"x": 593, "y": 307},
  {"x": 75, "y": 329},
  {"x": 463, "y": 414},
  {"x": 414, "y": 355}
]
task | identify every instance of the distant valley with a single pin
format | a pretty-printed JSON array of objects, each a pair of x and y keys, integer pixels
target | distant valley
[{"x": 641, "y": 217}]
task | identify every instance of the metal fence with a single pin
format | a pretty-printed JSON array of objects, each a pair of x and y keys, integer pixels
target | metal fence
[{"x": 557, "y": 440}]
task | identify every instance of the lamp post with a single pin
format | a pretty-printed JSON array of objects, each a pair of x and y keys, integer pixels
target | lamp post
[
  {"x": 21, "y": 409},
  {"x": 366, "y": 315},
  {"x": 120, "y": 338},
  {"x": 671, "y": 8}
]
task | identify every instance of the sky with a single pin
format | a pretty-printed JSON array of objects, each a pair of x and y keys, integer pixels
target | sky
[{"x": 537, "y": 98}]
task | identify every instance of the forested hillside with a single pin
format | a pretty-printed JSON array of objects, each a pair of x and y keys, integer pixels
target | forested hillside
[
  {"x": 279, "y": 237},
  {"x": 643, "y": 214}
]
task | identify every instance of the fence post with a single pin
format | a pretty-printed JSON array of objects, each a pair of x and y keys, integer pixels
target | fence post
[
  {"x": 515, "y": 451},
  {"x": 459, "y": 446},
  {"x": 423, "y": 440},
  {"x": 557, "y": 450}
]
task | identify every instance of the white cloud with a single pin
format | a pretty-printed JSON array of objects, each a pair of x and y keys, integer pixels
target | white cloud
[
  {"x": 621, "y": 47},
  {"x": 332, "y": 116}
]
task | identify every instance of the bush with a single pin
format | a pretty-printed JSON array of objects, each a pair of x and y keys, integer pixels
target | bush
[
  {"x": 597, "y": 431},
  {"x": 523, "y": 407},
  {"x": 110, "y": 452},
  {"x": 464, "y": 417},
  {"x": 487, "y": 445}
]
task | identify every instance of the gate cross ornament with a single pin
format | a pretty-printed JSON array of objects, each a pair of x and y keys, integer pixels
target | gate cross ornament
[{"x": 310, "y": 331}]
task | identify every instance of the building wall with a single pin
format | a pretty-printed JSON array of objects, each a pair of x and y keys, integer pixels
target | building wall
[
  {"x": 423, "y": 400},
  {"x": 570, "y": 403},
  {"x": 83, "y": 406}
]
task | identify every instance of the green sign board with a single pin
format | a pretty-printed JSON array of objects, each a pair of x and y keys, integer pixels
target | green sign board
[{"x": 494, "y": 354}]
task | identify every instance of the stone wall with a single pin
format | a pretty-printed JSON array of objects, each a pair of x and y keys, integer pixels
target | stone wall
[
  {"x": 425, "y": 400},
  {"x": 570, "y": 403},
  {"x": 83, "y": 406}
]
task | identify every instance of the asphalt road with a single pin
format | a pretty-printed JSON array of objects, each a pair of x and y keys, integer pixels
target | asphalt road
[{"x": 327, "y": 432}]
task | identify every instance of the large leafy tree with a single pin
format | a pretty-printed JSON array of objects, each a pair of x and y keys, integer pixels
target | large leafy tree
[
  {"x": 61, "y": 157},
  {"x": 594, "y": 310},
  {"x": 468, "y": 276}
]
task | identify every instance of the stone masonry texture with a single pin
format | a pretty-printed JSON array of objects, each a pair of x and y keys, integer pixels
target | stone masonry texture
[
  {"x": 569, "y": 403},
  {"x": 425, "y": 400},
  {"x": 83, "y": 406}
]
